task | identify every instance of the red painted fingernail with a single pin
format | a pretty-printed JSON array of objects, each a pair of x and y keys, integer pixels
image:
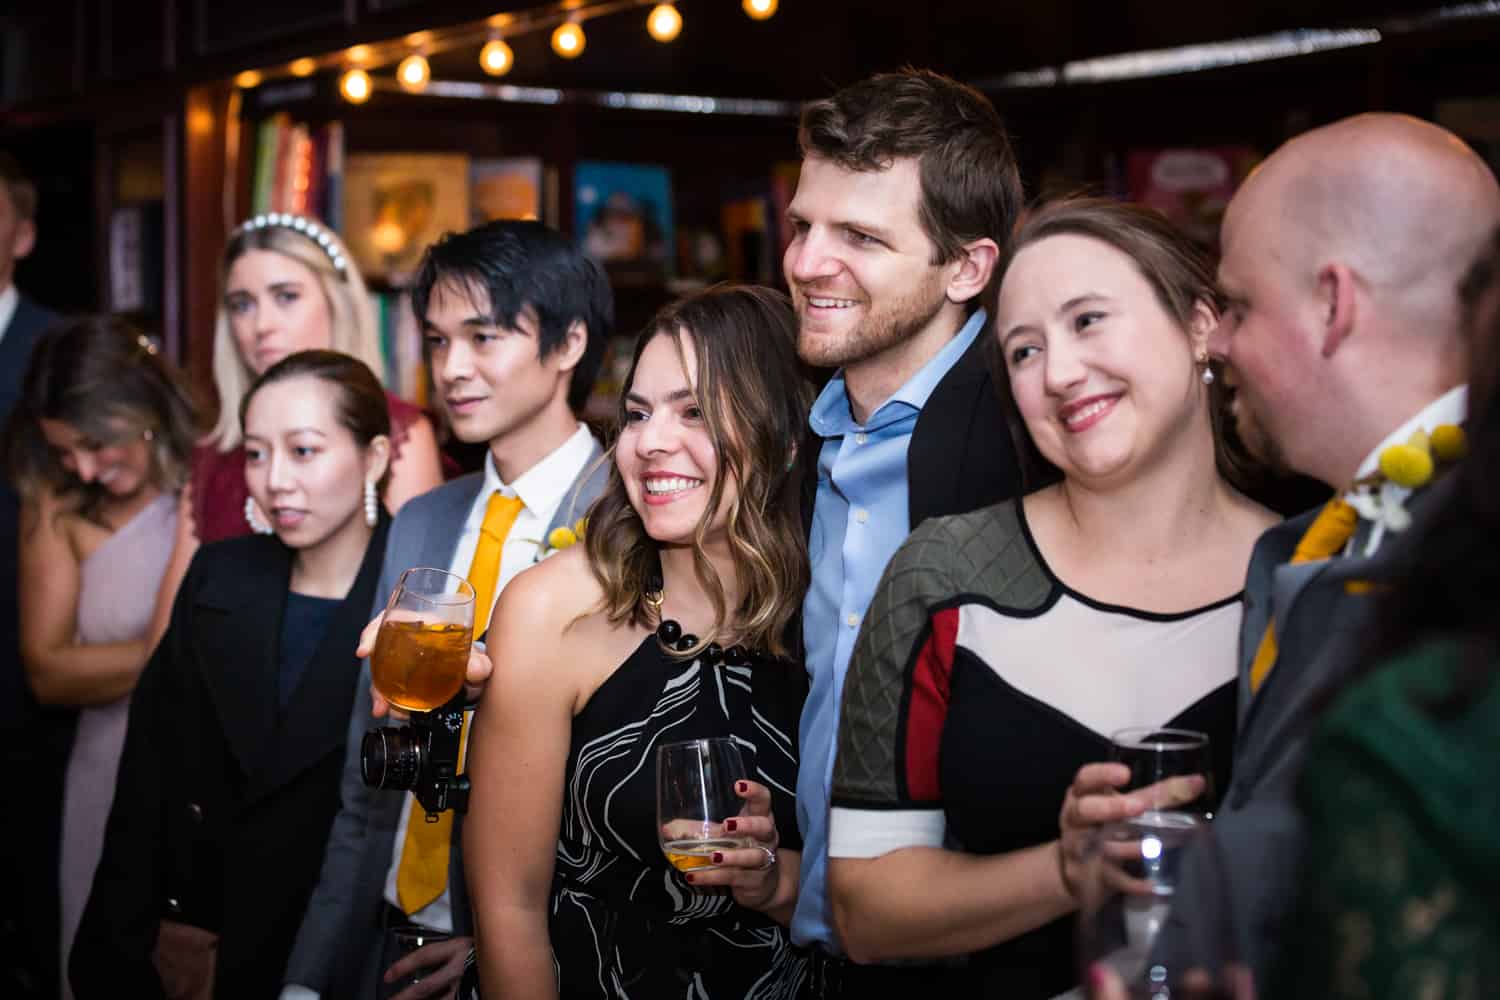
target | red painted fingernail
[
  {"x": 744, "y": 787},
  {"x": 718, "y": 857},
  {"x": 688, "y": 877},
  {"x": 731, "y": 825}
]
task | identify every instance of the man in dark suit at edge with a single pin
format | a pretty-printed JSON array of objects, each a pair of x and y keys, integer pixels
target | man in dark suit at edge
[{"x": 35, "y": 742}]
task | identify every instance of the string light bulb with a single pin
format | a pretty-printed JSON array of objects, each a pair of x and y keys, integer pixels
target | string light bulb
[
  {"x": 496, "y": 58},
  {"x": 760, "y": 10},
  {"x": 413, "y": 73},
  {"x": 568, "y": 40},
  {"x": 304, "y": 67},
  {"x": 664, "y": 23},
  {"x": 355, "y": 86},
  {"x": 249, "y": 78}
]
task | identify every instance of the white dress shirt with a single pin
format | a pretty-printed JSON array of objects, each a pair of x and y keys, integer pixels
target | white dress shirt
[
  {"x": 543, "y": 488},
  {"x": 9, "y": 299}
]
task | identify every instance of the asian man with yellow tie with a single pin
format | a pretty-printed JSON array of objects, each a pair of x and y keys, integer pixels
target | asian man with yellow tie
[{"x": 515, "y": 320}]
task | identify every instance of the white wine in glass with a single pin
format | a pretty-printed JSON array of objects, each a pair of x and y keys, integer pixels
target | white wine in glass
[{"x": 694, "y": 796}]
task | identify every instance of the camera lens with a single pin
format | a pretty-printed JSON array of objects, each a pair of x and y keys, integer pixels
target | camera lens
[{"x": 390, "y": 758}]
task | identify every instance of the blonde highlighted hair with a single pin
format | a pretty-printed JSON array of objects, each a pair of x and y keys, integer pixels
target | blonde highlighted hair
[
  {"x": 351, "y": 315},
  {"x": 754, "y": 401}
]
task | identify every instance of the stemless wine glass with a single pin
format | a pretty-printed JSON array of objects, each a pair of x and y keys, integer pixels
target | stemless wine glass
[
  {"x": 1157, "y": 755},
  {"x": 694, "y": 796},
  {"x": 1153, "y": 919},
  {"x": 422, "y": 650}
]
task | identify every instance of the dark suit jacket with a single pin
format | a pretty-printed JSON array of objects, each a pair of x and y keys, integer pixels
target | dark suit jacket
[
  {"x": 26, "y": 325},
  {"x": 1249, "y": 889},
  {"x": 224, "y": 801},
  {"x": 960, "y": 458},
  {"x": 338, "y": 946}
]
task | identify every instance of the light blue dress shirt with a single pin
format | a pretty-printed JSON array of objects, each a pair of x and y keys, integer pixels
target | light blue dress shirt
[{"x": 860, "y": 519}]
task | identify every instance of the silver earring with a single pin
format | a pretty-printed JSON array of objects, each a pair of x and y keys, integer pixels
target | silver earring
[
  {"x": 1207, "y": 375},
  {"x": 253, "y": 518},
  {"x": 372, "y": 503}
]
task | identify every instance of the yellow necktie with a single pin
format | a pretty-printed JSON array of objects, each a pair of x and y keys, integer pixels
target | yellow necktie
[
  {"x": 423, "y": 872},
  {"x": 1329, "y": 533}
]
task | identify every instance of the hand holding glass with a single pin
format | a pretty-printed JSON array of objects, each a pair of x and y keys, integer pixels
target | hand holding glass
[
  {"x": 422, "y": 649},
  {"x": 1173, "y": 766},
  {"x": 694, "y": 796}
]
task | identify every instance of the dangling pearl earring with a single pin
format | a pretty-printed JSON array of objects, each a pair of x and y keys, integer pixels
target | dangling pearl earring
[
  {"x": 372, "y": 504},
  {"x": 1207, "y": 374},
  {"x": 253, "y": 518}
]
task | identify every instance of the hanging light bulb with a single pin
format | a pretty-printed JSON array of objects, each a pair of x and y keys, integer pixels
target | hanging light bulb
[
  {"x": 760, "y": 9},
  {"x": 496, "y": 58},
  {"x": 413, "y": 73},
  {"x": 359, "y": 54},
  {"x": 249, "y": 78},
  {"x": 568, "y": 40},
  {"x": 355, "y": 86},
  {"x": 664, "y": 23},
  {"x": 304, "y": 67}
]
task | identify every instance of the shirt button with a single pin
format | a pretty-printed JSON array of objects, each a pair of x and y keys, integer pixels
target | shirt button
[
  {"x": 852, "y": 620},
  {"x": 861, "y": 515},
  {"x": 195, "y": 812},
  {"x": 860, "y": 438}
]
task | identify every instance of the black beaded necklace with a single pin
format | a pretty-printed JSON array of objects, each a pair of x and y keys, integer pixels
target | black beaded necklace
[{"x": 670, "y": 634}]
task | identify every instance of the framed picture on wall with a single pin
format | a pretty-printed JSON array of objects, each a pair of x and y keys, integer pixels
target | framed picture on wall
[
  {"x": 508, "y": 188},
  {"x": 622, "y": 214},
  {"x": 395, "y": 204}
]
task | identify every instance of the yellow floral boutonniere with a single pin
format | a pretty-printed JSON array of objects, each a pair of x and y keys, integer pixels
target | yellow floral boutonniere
[
  {"x": 1404, "y": 468},
  {"x": 561, "y": 537}
]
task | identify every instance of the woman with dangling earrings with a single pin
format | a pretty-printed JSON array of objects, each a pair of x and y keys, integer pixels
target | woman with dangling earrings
[
  {"x": 229, "y": 780},
  {"x": 288, "y": 284},
  {"x": 97, "y": 447}
]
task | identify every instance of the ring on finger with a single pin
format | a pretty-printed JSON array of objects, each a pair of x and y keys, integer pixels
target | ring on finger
[{"x": 770, "y": 853}]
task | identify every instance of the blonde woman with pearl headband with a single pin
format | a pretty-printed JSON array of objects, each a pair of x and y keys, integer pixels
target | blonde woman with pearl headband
[{"x": 288, "y": 284}]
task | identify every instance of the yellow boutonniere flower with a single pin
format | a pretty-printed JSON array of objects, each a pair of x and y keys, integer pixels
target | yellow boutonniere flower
[
  {"x": 561, "y": 538},
  {"x": 1406, "y": 465},
  {"x": 1449, "y": 443}
]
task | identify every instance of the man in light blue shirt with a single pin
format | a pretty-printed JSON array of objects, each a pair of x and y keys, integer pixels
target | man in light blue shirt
[{"x": 908, "y": 186}]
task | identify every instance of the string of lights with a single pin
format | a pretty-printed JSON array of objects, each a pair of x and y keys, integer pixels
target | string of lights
[{"x": 409, "y": 55}]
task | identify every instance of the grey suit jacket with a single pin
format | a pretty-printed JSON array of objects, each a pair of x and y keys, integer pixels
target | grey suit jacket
[
  {"x": 1249, "y": 892},
  {"x": 338, "y": 947}
]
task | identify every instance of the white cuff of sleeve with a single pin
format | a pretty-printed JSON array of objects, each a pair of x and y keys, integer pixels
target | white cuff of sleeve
[
  {"x": 291, "y": 991},
  {"x": 869, "y": 833}
]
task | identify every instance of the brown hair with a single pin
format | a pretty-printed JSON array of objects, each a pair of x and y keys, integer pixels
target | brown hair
[
  {"x": 102, "y": 376},
  {"x": 1180, "y": 273},
  {"x": 21, "y": 188},
  {"x": 971, "y": 187},
  {"x": 359, "y": 400},
  {"x": 754, "y": 401}
]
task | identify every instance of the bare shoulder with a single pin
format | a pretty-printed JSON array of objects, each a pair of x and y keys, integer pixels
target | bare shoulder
[{"x": 552, "y": 593}]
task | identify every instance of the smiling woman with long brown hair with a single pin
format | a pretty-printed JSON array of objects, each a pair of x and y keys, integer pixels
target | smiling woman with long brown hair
[{"x": 667, "y": 625}]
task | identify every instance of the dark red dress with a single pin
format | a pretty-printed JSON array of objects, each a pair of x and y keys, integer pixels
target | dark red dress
[{"x": 218, "y": 478}]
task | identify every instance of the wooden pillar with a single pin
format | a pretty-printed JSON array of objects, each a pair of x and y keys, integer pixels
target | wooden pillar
[{"x": 206, "y": 201}]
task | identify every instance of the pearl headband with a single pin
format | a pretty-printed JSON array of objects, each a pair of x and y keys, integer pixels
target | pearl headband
[{"x": 307, "y": 227}]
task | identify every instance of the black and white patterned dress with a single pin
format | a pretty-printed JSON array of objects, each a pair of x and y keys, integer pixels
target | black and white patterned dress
[{"x": 623, "y": 922}]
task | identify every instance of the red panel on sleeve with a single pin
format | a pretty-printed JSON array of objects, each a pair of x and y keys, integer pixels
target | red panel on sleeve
[{"x": 928, "y": 706}]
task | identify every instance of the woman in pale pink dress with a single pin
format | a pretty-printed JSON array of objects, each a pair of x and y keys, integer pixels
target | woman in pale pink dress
[{"x": 98, "y": 449}]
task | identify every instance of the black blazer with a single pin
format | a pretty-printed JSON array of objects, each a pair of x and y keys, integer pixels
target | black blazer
[
  {"x": 27, "y": 324},
  {"x": 224, "y": 801},
  {"x": 960, "y": 458}
]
